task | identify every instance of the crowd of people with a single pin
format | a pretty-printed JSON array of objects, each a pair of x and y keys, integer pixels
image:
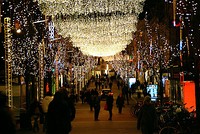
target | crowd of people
[
  {"x": 56, "y": 112},
  {"x": 147, "y": 118}
]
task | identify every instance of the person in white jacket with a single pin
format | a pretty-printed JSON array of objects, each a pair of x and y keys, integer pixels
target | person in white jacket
[{"x": 45, "y": 103}]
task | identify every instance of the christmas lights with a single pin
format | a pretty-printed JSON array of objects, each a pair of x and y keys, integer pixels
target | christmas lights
[
  {"x": 185, "y": 10},
  {"x": 98, "y": 28},
  {"x": 25, "y": 54}
]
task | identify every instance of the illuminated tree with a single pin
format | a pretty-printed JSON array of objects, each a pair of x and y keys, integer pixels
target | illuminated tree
[{"x": 25, "y": 41}]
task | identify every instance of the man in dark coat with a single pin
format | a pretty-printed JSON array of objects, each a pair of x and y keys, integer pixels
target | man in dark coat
[
  {"x": 120, "y": 103},
  {"x": 60, "y": 114},
  {"x": 97, "y": 107},
  {"x": 109, "y": 102},
  {"x": 125, "y": 93},
  {"x": 147, "y": 119}
]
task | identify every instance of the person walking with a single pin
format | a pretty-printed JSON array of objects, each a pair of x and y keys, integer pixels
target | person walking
[
  {"x": 118, "y": 84},
  {"x": 91, "y": 100},
  {"x": 60, "y": 114},
  {"x": 70, "y": 102},
  {"x": 147, "y": 119},
  {"x": 45, "y": 103},
  {"x": 99, "y": 84},
  {"x": 110, "y": 84},
  {"x": 97, "y": 107},
  {"x": 125, "y": 92},
  {"x": 7, "y": 124},
  {"x": 82, "y": 96},
  {"x": 36, "y": 113},
  {"x": 96, "y": 84},
  {"x": 109, "y": 102},
  {"x": 120, "y": 103}
]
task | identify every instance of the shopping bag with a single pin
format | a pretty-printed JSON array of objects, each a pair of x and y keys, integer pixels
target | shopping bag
[{"x": 105, "y": 107}]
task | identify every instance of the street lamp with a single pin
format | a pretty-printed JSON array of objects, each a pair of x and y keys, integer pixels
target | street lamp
[
  {"x": 17, "y": 27},
  {"x": 18, "y": 31}
]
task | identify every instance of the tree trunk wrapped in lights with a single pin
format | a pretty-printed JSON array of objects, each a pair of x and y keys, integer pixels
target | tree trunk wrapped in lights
[{"x": 8, "y": 60}]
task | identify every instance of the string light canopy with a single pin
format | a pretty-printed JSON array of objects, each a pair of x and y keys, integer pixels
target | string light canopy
[{"x": 97, "y": 27}]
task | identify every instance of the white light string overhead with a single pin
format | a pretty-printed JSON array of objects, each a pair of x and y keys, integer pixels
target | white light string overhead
[
  {"x": 85, "y": 7},
  {"x": 97, "y": 27}
]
